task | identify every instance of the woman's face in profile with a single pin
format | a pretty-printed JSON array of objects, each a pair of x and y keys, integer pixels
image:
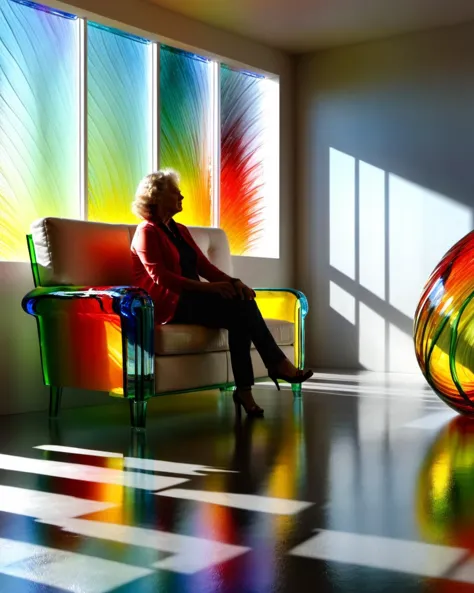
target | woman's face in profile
[{"x": 172, "y": 200}]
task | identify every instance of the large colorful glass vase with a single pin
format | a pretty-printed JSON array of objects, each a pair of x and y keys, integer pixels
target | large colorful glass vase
[{"x": 444, "y": 328}]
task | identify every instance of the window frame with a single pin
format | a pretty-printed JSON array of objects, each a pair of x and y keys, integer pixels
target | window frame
[{"x": 154, "y": 89}]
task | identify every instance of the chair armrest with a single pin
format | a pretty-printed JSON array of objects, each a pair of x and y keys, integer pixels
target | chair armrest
[
  {"x": 290, "y": 305},
  {"x": 118, "y": 300},
  {"x": 128, "y": 309}
]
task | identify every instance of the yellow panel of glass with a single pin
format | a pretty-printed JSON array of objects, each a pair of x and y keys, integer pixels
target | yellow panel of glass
[{"x": 286, "y": 304}]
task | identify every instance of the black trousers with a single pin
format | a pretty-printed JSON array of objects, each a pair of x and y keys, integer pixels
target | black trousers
[{"x": 245, "y": 324}]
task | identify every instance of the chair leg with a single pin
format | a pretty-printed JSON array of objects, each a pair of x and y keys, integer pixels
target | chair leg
[
  {"x": 226, "y": 388},
  {"x": 55, "y": 396},
  {"x": 296, "y": 388},
  {"x": 138, "y": 444},
  {"x": 138, "y": 414}
]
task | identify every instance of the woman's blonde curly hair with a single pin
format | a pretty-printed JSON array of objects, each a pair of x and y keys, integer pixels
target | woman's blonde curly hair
[{"x": 150, "y": 190}]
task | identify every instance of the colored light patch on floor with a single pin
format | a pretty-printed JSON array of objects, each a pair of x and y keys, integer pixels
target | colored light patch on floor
[
  {"x": 65, "y": 570},
  {"x": 87, "y": 473},
  {"x": 188, "y": 554},
  {"x": 261, "y": 504},
  {"x": 46, "y": 505},
  {"x": 154, "y": 465},
  {"x": 381, "y": 552},
  {"x": 340, "y": 491}
]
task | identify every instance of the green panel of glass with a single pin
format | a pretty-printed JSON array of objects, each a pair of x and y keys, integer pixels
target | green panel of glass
[
  {"x": 39, "y": 121},
  {"x": 186, "y": 129},
  {"x": 119, "y": 121}
]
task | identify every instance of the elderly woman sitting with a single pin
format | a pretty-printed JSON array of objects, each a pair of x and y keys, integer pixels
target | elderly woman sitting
[{"x": 168, "y": 264}]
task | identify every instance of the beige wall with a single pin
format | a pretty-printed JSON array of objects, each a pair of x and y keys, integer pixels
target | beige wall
[
  {"x": 386, "y": 185},
  {"x": 20, "y": 374}
]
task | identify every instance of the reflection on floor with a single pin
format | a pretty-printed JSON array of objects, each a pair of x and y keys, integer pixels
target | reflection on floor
[{"x": 366, "y": 483}]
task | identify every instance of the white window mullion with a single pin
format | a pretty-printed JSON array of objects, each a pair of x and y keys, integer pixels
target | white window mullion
[
  {"x": 216, "y": 143},
  {"x": 155, "y": 91},
  {"x": 83, "y": 118}
]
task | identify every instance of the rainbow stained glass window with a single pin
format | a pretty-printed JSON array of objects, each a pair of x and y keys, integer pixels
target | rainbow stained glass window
[
  {"x": 119, "y": 121},
  {"x": 249, "y": 183},
  {"x": 40, "y": 144},
  {"x": 186, "y": 129},
  {"x": 39, "y": 121}
]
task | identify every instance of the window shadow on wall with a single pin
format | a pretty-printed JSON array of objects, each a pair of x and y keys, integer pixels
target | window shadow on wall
[{"x": 386, "y": 235}]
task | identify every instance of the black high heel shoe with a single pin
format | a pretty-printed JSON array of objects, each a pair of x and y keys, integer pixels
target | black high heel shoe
[
  {"x": 297, "y": 379},
  {"x": 254, "y": 411}
]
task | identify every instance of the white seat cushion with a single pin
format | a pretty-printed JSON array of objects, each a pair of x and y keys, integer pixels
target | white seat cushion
[{"x": 175, "y": 338}]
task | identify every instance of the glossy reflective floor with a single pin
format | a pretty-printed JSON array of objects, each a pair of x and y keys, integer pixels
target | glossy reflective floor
[{"x": 364, "y": 484}]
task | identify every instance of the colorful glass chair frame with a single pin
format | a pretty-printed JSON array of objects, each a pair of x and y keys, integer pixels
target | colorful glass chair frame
[{"x": 102, "y": 338}]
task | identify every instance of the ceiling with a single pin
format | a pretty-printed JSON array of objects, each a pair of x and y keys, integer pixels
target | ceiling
[{"x": 305, "y": 25}]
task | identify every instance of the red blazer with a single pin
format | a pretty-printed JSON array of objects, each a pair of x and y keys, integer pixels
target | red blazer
[{"x": 156, "y": 267}]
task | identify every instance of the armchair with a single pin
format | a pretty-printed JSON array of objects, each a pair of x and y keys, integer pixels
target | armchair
[{"x": 96, "y": 330}]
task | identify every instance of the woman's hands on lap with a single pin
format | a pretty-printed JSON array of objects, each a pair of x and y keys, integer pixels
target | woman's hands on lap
[
  {"x": 244, "y": 292},
  {"x": 229, "y": 290},
  {"x": 225, "y": 289}
]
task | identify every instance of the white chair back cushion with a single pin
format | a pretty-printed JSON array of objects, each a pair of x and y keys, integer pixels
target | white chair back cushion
[{"x": 82, "y": 253}]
